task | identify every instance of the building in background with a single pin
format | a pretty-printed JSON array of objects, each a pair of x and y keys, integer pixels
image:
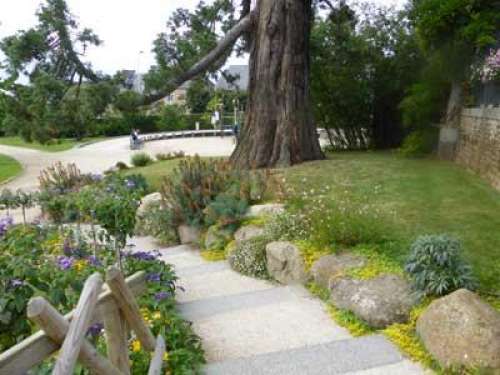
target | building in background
[{"x": 235, "y": 78}]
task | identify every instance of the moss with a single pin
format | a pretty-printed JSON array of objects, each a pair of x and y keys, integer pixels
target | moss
[
  {"x": 213, "y": 255},
  {"x": 377, "y": 264},
  {"x": 404, "y": 336},
  {"x": 258, "y": 221},
  {"x": 311, "y": 252}
]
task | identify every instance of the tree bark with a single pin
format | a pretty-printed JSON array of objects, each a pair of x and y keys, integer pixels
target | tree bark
[
  {"x": 279, "y": 129},
  {"x": 454, "y": 107}
]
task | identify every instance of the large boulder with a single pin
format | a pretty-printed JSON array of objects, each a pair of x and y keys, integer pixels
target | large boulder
[
  {"x": 330, "y": 266},
  {"x": 147, "y": 201},
  {"x": 217, "y": 238},
  {"x": 380, "y": 302},
  {"x": 461, "y": 329},
  {"x": 188, "y": 234},
  {"x": 265, "y": 209},
  {"x": 247, "y": 232},
  {"x": 285, "y": 263}
]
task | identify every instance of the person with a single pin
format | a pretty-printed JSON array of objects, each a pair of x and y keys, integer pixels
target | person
[{"x": 133, "y": 136}]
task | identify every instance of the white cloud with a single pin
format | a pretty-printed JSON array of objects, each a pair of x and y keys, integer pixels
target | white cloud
[{"x": 126, "y": 26}]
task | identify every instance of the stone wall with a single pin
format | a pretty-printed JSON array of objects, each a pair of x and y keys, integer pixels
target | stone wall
[{"x": 478, "y": 143}]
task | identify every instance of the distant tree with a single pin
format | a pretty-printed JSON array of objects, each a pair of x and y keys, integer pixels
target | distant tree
[
  {"x": 363, "y": 61},
  {"x": 456, "y": 31},
  {"x": 49, "y": 55},
  {"x": 172, "y": 117},
  {"x": 198, "y": 96}
]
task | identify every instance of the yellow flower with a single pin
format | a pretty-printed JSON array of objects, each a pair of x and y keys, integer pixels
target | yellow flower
[
  {"x": 156, "y": 316},
  {"x": 136, "y": 346},
  {"x": 80, "y": 265},
  {"x": 165, "y": 356}
]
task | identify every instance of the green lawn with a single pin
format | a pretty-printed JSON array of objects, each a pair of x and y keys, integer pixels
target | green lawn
[
  {"x": 54, "y": 146},
  {"x": 8, "y": 168},
  {"x": 154, "y": 173},
  {"x": 426, "y": 196}
]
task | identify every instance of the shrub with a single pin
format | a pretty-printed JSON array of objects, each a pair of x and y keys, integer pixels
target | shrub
[
  {"x": 141, "y": 159},
  {"x": 121, "y": 166},
  {"x": 63, "y": 178},
  {"x": 249, "y": 257},
  {"x": 169, "y": 156},
  {"x": 436, "y": 266},
  {"x": 196, "y": 183},
  {"x": 157, "y": 221},
  {"x": 226, "y": 210},
  {"x": 419, "y": 143},
  {"x": 287, "y": 226}
]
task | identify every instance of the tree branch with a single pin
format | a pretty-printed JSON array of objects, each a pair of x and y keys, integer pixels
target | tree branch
[{"x": 206, "y": 62}]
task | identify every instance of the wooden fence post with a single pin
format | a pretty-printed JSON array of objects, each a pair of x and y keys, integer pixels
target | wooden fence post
[
  {"x": 53, "y": 323},
  {"x": 128, "y": 305},
  {"x": 116, "y": 331},
  {"x": 78, "y": 327},
  {"x": 157, "y": 360}
]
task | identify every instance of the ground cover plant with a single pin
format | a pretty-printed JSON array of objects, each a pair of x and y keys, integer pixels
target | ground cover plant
[
  {"x": 415, "y": 197},
  {"x": 9, "y": 168}
]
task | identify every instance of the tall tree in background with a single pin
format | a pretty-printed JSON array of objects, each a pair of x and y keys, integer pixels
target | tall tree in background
[
  {"x": 49, "y": 55},
  {"x": 278, "y": 129},
  {"x": 456, "y": 31}
]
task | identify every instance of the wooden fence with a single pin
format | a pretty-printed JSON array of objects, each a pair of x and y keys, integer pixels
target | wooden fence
[{"x": 114, "y": 305}]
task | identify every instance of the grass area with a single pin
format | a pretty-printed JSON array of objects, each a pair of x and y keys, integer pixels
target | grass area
[
  {"x": 154, "y": 173},
  {"x": 53, "y": 146},
  {"x": 8, "y": 168},
  {"x": 422, "y": 196}
]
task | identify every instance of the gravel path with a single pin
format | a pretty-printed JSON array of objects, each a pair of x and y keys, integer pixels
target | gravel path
[{"x": 253, "y": 327}]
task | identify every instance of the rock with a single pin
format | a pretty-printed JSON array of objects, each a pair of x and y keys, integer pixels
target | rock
[
  {"x": 188, "y": 234},
  {"x": 329, "y": 266},
  {"x": 380, "y": 302},
  {"x": 217, "y": 238},
  {"x": 147, "y": 201},
  {"x": 265, "y": 209},
  {"x": 247, "y": 232},
  {"x": 285, "y": 263},
  {"x": 461, "y": 329}
]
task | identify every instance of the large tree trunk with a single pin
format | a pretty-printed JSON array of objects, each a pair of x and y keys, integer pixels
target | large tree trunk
[
  {"x": 278, "y": 129},
  {"x": 455, "y": 102}
]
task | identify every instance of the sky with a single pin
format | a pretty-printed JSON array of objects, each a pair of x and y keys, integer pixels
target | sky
[{"x": 127, "y": 27}]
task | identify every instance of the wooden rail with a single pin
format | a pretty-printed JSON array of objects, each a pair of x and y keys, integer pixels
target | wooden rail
[{"x": 116, "y": 306}]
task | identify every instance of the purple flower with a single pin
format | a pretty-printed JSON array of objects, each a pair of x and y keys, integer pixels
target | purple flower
[
  {"x": 95, "y": 330},
  {"x": 5, "y": 224},
  {"x": 96, "y": 177},
  {"x": 94, "y": 261},
  {"x": 142, "y": 255},
  {"x": 16, "y": 283},
  {"x": 65, "y": 263},
  {"x": 130, "y": 184},
  {"x": 161, "y": 296},
  {"x": 153, "y": 277}
]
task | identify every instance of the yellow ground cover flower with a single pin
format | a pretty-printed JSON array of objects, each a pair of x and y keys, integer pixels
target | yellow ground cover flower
[{"x": 136, "y": 346}]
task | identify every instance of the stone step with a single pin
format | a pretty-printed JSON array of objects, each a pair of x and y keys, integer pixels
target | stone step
[
  {"x": 215, "y": 281},
  {"x": 365, "y": 355},
  {"x": 405, "y": 367},
  {"x": 243, "y": 325}
]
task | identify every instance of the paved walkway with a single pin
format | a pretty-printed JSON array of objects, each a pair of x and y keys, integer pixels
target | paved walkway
[
  {"x": 99, "y": 156},
  {"x": 251, "y": 326}
]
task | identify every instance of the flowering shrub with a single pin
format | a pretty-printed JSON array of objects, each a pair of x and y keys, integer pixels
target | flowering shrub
[
  {"x": 249, "y": 257},
  {"x": 490, "y": 70},
  {"x": 5, "y": 223},
  {"x": 157, "y": 221},
  {"x": 288, "y": 226},
  {"x": 49, "y": 262}
]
